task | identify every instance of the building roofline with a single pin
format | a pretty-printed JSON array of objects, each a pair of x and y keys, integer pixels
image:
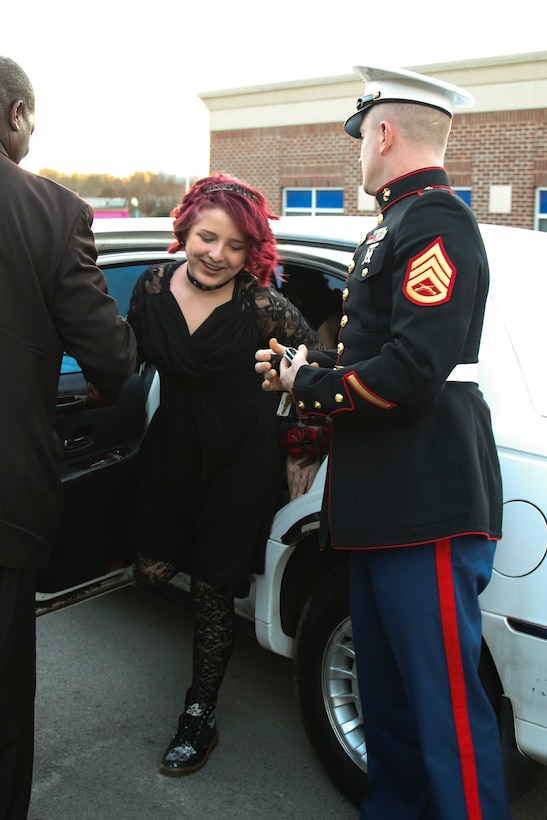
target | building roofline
[
  {"x": 430, "y": 68},
  {"x": 504, "y": 59},
  {"x": 515, "y": 82}
]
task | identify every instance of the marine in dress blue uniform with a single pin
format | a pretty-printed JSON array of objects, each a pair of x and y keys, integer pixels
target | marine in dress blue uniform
[{"x": 413, "y": 486}]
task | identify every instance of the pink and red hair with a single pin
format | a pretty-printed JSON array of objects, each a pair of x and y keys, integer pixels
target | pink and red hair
[{"x": 248, "y": 209}]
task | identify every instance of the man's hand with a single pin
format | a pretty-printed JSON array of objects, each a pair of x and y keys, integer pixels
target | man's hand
[
  {"x": 267, "y": 363},
  {"x": 95, "y": 398}
]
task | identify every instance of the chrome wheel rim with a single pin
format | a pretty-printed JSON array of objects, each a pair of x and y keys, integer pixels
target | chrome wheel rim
[{"x": 341, "y": 693}]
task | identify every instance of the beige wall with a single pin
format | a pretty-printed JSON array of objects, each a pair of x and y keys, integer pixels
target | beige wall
[{"x": 498, "y": 84}]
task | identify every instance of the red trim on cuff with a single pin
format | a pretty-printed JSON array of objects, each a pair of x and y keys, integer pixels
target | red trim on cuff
[{"x": 351, "y": 380}]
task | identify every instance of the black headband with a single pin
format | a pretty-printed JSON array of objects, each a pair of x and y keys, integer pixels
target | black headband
[{"x": 229, "y": 186}]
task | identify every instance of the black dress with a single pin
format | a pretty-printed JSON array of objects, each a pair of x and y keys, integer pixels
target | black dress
[{"x": 212, "y": 456}]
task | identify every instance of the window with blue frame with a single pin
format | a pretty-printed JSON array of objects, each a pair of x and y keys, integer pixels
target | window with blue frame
[
  {"x": 313, "y": 201},
  {"x": 541, "y": 210},
  {"x": 464, "y": 193}
]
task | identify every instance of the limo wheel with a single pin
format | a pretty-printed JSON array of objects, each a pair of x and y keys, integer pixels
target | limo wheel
[{"x": 326, "y": 683}]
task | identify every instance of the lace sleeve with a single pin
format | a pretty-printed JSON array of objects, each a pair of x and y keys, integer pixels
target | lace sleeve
[
  {"x": 280, "y": 318},
  {"x": 148, "y": 282}
]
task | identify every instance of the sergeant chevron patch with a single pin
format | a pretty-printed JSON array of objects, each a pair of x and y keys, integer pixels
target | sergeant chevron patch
[{"x": 430, "y": 276}]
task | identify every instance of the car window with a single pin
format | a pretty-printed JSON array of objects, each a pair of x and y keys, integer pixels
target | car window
[
  {"x": 318, "y": 296},
  {"x": 121, "y": 281},
  {"x": 69, "y": 365}
]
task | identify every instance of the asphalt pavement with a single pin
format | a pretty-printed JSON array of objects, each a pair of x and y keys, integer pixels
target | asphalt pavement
[{"x": 112, "y": 673}]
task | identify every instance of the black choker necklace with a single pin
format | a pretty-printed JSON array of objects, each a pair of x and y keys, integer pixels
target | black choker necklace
[{"x": 197, "y": 284}]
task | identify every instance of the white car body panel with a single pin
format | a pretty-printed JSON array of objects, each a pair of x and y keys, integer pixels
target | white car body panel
[
  {"x": 513, "y": 378},
  {"x": 268, "y": 627}
]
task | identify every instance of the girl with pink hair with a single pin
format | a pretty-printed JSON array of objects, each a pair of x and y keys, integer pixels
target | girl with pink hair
[{"x": 212, "y": 456}]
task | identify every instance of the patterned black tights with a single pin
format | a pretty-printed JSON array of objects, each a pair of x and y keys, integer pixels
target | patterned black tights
[
  {"x": 213, "y": 637},
  {"x": 214, "y": 622}
]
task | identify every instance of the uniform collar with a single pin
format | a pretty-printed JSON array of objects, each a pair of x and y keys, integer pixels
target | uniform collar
[{"x": 414, "y": 183}]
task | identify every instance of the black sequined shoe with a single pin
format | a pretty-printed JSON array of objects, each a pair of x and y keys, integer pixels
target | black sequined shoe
[{"x": 194, "y": 740}]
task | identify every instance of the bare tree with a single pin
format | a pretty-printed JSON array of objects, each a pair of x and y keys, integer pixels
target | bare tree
[{"x": 157, "y": 194}]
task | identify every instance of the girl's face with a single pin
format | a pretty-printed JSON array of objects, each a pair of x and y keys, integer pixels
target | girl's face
[{"x": 215, "y": 248}]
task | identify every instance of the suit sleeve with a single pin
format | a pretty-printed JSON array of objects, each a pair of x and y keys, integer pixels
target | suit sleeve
[
  {"x": 438, "y": 274},
  {"x": 86, "y": 318}
]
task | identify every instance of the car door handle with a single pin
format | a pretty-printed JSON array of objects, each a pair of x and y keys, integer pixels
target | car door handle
[
  {"x": 71, "y": 404},
  {"x": 72, "y": 445}
]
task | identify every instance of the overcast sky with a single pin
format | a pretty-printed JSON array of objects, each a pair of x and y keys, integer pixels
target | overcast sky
[{"x": 116, "y": 83}]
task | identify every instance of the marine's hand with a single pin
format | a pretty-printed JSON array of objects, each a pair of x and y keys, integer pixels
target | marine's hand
[
  {"x": 278, "y": 374},
  {"x": 268, "y": 365}
]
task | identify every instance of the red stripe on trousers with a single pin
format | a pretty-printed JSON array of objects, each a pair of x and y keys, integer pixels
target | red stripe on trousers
[{"x": 456, "y": 678}]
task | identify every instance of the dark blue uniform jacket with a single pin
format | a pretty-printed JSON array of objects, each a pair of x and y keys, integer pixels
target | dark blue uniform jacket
[{"x": 412, "y": 457}]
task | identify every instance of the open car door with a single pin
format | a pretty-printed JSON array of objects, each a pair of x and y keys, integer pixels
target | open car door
[{"x": 99, "y": 470}]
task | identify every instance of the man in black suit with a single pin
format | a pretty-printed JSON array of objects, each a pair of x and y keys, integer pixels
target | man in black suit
[{"x": 53, "y": 298}]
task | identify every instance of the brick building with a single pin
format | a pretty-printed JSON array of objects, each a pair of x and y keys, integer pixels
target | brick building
[{"x": 287, "y": 139}]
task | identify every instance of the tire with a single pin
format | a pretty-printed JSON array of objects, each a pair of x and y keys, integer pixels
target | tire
[{"x": 326, "y": 684}]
